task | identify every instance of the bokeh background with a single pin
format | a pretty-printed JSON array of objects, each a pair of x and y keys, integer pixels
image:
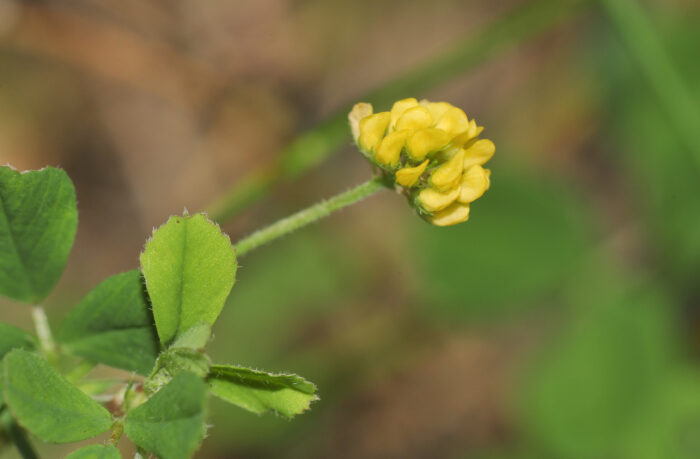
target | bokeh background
[{"x": 561, "y": 321}]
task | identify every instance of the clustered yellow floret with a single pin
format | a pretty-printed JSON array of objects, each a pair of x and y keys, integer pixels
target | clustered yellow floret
[{"x": 431, "y": 150}]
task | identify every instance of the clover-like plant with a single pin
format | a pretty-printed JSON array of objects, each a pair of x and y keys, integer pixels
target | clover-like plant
[
  {"x": 187, "y": 271},
  {"x": 155, "y": 322}
]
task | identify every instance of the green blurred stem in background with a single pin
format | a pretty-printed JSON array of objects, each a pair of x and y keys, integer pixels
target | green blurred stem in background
[
  {"x": 43, "y": 332},
  {"x": 640, "y": 37},
  {"x": 308, "y": 215},
  {"x": 315, "y": 145},
  {"x": 17, "y": 435}
]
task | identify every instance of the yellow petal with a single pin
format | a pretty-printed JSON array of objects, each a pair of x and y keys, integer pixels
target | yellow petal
[
  {"x": 425, "y": 141},
  {"x": 400, "y": 107},
  {"x": 408, "y": 176},
  {"x": 436, "y": 109},
  {"x": 478, "y": 153},
  {"x": 433, "y": 200},
  {"x": 449, "y": 174},
  {"x": 389, "y": 150},
  {"x": 454, "y": 121},
  {"x": 455, "y": 213},
  {"x": 472, "y": 131},
  {"x": 475, "y": 182},
  {"x": 414, "y": 118},
  {"x": 372, "y": 129},
  {"x": 358, "y": 112}
]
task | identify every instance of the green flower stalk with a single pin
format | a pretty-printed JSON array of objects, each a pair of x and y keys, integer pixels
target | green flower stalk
[{"x": 428, "y": 151}]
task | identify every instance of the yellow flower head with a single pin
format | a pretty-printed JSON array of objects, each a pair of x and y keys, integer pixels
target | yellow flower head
[{"x": 431, "y": 151}]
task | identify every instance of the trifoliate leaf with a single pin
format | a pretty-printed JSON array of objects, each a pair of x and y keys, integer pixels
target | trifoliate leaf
[
  {"x": 38, "y": 220},
  {"x": 261, "y": 392},
  {"x": 112, "y": 325},
  {"x": 13, "y": 338},
  {"x": 96, "y": 452},
  {"x": 47, "y": 404},
  {"x": 171, "y": 423},
  {"x": 190, "y": 267}
]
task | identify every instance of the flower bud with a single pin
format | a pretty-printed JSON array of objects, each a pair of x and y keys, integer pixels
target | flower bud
[{"x": 431, "y": 151}]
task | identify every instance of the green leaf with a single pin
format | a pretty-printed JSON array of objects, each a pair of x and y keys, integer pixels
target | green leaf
[
  {"x": 171, "y": 424},
  {"x": 190, "y": 267},
  {"x": 113, "y": 325},
  {"x": 260, "y": 392},
  {"x": 196, "y": 337},
  {"x": 96, "y": 452},
  {"x": 13, "y": 338},
  {"x": 12, "y": 433},
  {"x": 47, "y": 404},
  {"x": 38, "y": 220}
]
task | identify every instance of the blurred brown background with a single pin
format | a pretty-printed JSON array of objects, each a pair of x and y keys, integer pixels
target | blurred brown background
[{"x": 533, "y": 330}]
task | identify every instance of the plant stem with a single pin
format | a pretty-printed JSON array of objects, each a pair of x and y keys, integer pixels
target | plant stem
[
  {"x": 644, "y": 43},
  {"x": 43, "y": 332},
  {"x": 18, "y": 436},
  {"x": 308, "y": 215},
  {"x": 117, "y": 431}
]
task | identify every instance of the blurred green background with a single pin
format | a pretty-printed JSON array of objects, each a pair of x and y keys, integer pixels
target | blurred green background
[{"x": 561, "y": 321}]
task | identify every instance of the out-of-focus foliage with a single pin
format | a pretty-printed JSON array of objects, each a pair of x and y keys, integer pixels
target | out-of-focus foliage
[
  {"x": 583, "y": 255},
  {"x": 660, "y": 165},
  {"x": 95, "y": 452},
  {"x": 608, "y": 375},
  {"x": 529, "y": 237}
]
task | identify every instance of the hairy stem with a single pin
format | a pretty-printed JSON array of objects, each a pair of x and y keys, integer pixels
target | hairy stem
[
  {"x": 117, "y": 431},
  {"x": 308, "y": 215}
]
